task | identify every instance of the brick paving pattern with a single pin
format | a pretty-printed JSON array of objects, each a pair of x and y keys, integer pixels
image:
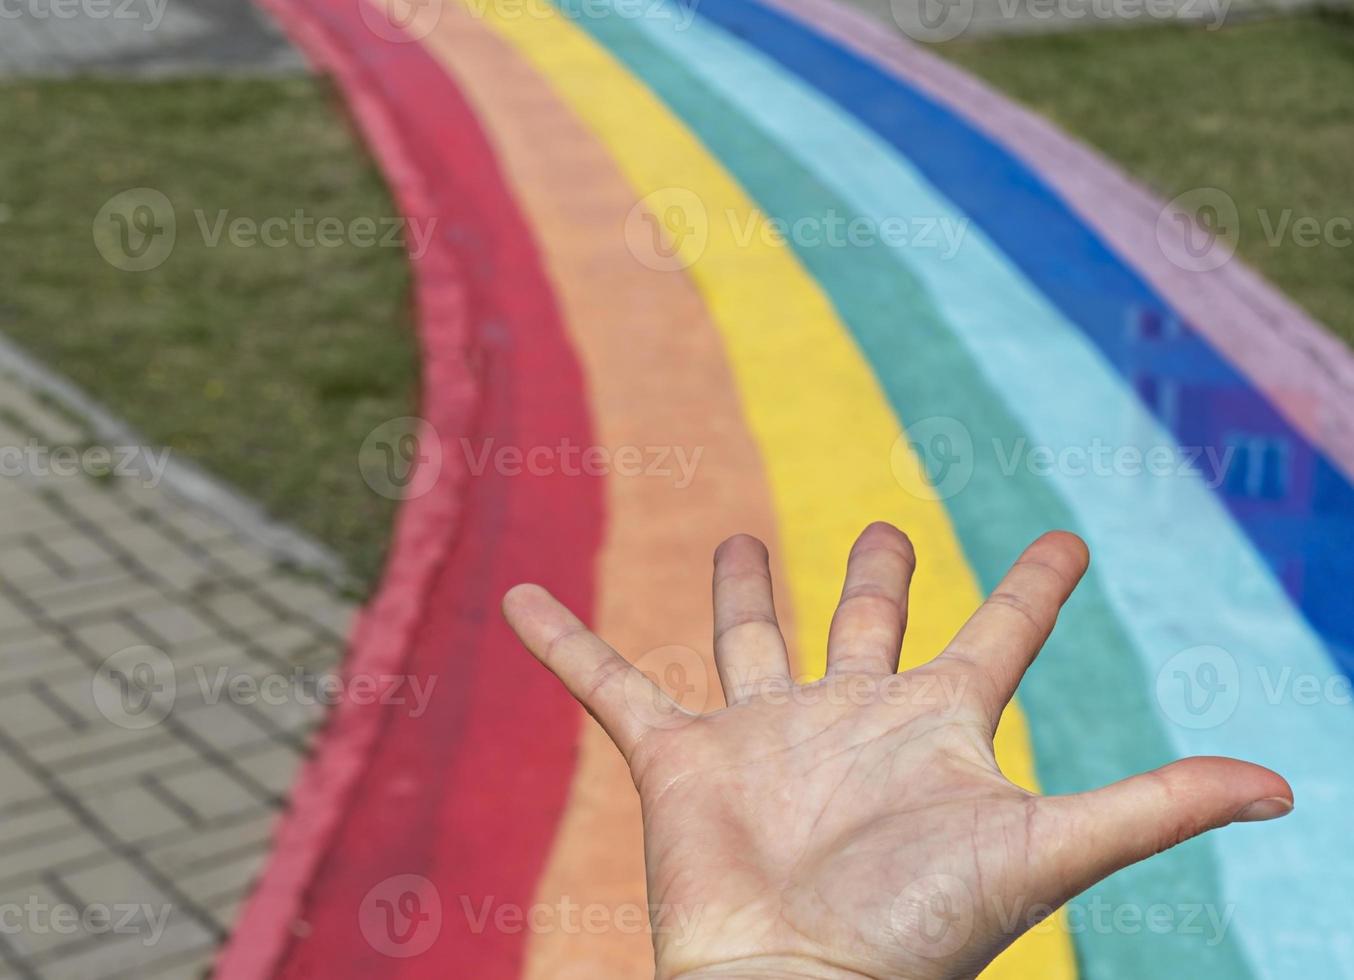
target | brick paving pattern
[{"x": 126, "y": 845}]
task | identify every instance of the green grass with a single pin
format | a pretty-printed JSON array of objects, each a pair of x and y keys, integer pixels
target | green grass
[
  {"x": 266, "y": 365},
  {"x": 1261, "y": 110}
]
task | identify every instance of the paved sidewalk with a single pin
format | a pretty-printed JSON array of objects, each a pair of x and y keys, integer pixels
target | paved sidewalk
[
  {"x": 137, "y": 792},
  {"x": 142, "y": 38}
]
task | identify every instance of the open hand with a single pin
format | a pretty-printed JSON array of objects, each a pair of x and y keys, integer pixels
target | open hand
[{"x": 858, "y": 826}]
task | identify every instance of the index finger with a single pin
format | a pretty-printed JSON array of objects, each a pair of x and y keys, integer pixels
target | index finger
[{"x": 621, "y": 698}]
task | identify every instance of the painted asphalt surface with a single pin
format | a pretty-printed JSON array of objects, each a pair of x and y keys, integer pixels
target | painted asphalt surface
[{"x": 1211, "y": 585}]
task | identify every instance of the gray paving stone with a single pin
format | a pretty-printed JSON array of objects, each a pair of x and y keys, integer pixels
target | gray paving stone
[
  {"x": 198, "y": 663},
  {"x": 239, "y": 607},
  {"x": 214, "y": 843},
  {"x": 71, "y": 698},
  {"x": 244, "y": 560},
  {"x": 224, "y": 725},
  {"x": 118, "y": 591},
  {"x": 195, "y": 527},
  {"x": 211, "y": 795},
  {"x": 106, "y": 636},
  {"x": 95, "y": 502},
  {"x": 274, "y": 766},
  {"x": 77, "y": 551},
  {"x": 42, "y": 853},
  {"x": 319, "y": 605},
  {"x": 226, "y": 907},
  {"x": 108, "y": 955},
  {"x": 33, "y": 418},
  {"x": 21, "y": 563},
  {"x": 138, "y": 537},
  {"x": 94, "y": 745},
  {"x": 13, "y": 620},
  {"x": 89, "y": 775},
  {"x": 31, "y": 908},
  {"x": 17, "y": 786},
  {"x": 113, "y": 881},
  {"x": 179, "y": 574},
  {"x": 49, "y": 819},
  {"x": 174, "y": 623},
  {"x": 40, "y": 655},
  {"x": 209, "y": 670},
  {"x": 72, "y": 590},
  {"x": 25, "y": 717},
  {"x": 227, "y": 878},
  {"x": 133, "y": 813},
  {"x": 274, "y": 697},
  {"x": 292, "y": 642},
  {"x": 190, "y": 963}
]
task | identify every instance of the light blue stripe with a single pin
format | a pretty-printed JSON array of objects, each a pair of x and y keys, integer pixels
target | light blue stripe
[{"x": 1175, "y": 566}]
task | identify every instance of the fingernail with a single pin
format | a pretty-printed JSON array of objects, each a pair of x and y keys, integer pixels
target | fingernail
[{"x": 1269, "y": 808}]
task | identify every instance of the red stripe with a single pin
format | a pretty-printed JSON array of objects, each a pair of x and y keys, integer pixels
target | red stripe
[{"x": 469, "y": 794}]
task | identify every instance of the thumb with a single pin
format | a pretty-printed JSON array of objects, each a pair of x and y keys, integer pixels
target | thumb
[{"x": 1127, "y": 821}]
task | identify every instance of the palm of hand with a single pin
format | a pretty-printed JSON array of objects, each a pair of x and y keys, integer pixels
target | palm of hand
[
  {"x": 843, "y": 829},
  {"x": 859, "y": 825}
]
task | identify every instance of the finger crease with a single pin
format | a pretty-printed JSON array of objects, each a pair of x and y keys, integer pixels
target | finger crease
[
  {"x": 756, "y": 573},
  {"x": 601, "y": 676},
  {"x": 908, "y": 557},
  {"x": 1021, "y": 605},
  {"x": 1058, "y": 573},
  {"x": 549, "y": 654},
  {"x": 874, "y": 592},
  {"x": 749, "y": 619}
]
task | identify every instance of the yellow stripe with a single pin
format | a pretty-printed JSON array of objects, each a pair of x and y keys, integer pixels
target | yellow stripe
[{"x": 812, "y": 402}]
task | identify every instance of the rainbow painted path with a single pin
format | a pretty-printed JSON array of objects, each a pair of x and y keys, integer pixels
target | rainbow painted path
[{"x": 779, "y": 272}]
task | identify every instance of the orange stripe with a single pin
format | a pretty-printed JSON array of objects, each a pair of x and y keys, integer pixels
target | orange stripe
[{"x": 658, "y": 378}]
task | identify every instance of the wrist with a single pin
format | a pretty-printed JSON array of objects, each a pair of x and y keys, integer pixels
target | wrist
[{"x": 764, "y": 968}]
